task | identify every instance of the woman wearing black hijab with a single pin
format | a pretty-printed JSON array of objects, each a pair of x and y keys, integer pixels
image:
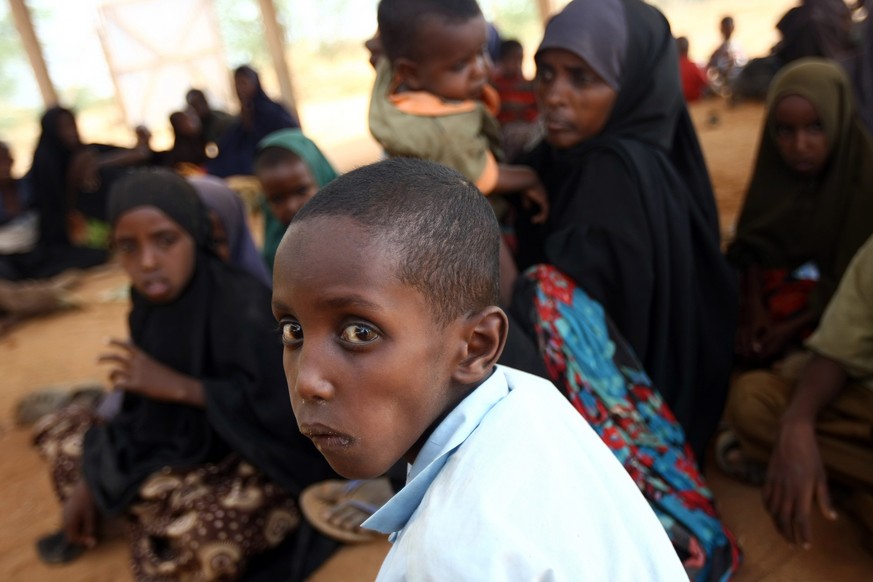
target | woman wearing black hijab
[
  {"x": 204, "y": 457},
  {"x": 634, "y": 221},
  {"x": 50, "y": 189},
  {"x": 629, "y": 265},
  {"x": 259, "y": 116}
]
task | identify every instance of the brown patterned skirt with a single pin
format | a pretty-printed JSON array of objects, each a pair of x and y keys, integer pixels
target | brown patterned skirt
[{"x": 194, "y": 524}]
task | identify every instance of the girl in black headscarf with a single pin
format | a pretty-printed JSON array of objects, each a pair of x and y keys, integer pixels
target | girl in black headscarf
[
  {"x": 633, "y": 232},
  {"x": 259, "y": 116},
  {"x": 204, "y": 458}
]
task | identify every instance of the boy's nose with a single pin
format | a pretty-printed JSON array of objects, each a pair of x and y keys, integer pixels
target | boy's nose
[{"x": 310, "y": 383}]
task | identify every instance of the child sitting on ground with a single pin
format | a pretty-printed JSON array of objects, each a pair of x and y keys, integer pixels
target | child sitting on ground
[
  {"x": 391, "y": 337},
  {"x": 431, "y": 99}
]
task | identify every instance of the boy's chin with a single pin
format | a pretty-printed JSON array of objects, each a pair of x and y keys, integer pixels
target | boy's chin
[{"x": 357, "y": 471}]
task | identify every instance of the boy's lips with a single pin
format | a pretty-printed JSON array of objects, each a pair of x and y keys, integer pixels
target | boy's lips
[{"x": 325, "y": 437}]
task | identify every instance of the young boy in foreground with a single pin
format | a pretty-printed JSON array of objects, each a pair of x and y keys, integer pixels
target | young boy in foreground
[
  {"x": 431, "y": 99},
  {"x": 385, "y": 289}
]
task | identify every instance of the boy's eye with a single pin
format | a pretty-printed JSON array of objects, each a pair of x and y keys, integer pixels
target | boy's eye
[
  {"x": 292, "y": 333},
  {"x": 359, "y": 333}
]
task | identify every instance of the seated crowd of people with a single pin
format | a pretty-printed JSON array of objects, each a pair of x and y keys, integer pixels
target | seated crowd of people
[{"x": 536, "y": 312}]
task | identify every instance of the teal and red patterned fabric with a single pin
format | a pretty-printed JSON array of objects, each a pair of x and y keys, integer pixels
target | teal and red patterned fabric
[{"x": 587, "y": 358}]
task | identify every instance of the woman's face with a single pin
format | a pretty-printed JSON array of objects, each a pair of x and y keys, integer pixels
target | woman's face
[
  {"x": 574, "y": 101},
  {"x": 800, "y": 136},
  {"x": 246, "y": 87},
  {"x": 155, "y": 251}
]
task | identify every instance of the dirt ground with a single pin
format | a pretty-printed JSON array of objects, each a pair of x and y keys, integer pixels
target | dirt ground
[{"x": 62, "y": 349}]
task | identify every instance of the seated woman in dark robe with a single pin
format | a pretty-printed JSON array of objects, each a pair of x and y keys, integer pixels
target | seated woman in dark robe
[
  {"x": 633, "y": 220},
  {"x": 49, "y": 191},
  {"x": 627, "y": 299},
  {"x": 203, "y": 459},
  {"x": 259, "y": 116}
]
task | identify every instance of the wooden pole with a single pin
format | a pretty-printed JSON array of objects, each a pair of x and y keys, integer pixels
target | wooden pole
[
  {"x": 34, "y": 51},
  {"x": 276, "y": 45},
  {"x": 545, "y": 7}
]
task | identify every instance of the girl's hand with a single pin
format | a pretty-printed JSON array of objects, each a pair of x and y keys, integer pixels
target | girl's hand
[{"x": 132, "y": 370}]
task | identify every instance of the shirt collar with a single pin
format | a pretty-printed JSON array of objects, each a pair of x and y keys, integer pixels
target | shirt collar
[{"x": 445, "y": 439}]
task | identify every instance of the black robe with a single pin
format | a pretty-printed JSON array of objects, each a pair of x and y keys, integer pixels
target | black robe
[
  {"x": 221, "y": 331},
  {"x": 633, "y": 221}
]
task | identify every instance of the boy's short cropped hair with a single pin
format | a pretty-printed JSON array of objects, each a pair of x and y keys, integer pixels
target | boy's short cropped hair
[
  {"x": 399, "y": 21},
  {"x": 443, "y": 230}
]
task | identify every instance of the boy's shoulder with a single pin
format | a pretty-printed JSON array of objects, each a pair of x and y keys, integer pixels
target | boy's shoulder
[{"x": 532, "y": 491}]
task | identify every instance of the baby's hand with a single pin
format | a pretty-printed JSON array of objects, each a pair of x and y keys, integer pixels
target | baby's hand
[{"x": 536, "y": 196}]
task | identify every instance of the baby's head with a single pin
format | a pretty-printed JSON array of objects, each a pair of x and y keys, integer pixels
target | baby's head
[
  {"x": 437, "y": 46},
  {"x": 385, "y": 288}
]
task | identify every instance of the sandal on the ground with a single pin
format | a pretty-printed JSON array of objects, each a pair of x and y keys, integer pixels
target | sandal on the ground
[
  {"x": 326, "y": 503},
  {"x": 732, "y": 461},
  {"x": 57, "y": 549},
  {"x": 40, "y": 403},
  {"x": 48, "y": 400}
]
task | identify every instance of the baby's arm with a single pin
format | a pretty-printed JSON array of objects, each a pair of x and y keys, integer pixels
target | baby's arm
[{"x": 523, "y": 179}]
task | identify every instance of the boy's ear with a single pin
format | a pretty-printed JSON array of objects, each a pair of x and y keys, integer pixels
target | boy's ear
[
  {"x": 485, "y": 338},
  {"x": 406, "y": 73}
]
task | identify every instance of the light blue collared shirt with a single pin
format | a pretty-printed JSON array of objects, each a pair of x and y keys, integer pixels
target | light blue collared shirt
[{"x": 514, "y": 485}]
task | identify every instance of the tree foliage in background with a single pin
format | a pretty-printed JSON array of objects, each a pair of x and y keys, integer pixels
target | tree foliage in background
[{"x": 242, "y": 32}]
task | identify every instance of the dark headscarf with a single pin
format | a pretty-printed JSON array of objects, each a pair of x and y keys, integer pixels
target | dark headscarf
[
  {"x": 633, "y": 217},
  {"x": 238, "y": 143},
  {"x": 816, "y": 28},
  {"x": 219, "y": 330},
  {"x": 229, "y": 207},
  {"x": 788, "y": 219}
]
